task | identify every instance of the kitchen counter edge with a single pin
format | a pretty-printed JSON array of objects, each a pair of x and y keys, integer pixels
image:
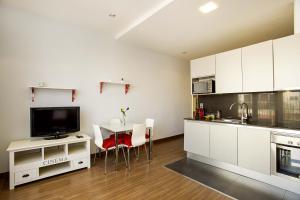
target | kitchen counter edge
[{"x": 273, "y": 129}]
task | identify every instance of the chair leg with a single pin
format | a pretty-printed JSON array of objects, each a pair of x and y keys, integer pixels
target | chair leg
[
  {"x": 128, "y": 159},
  {"x": 135, "y": 154},
  {"x": 124, "y": 156},
  {"x": 105, "y": 161},
  {"x": 95, "y": 156},
  {"x": 146, "y": 151},
  {"x": 138, "y": 153},
  {"x": 115, "y": 154}
]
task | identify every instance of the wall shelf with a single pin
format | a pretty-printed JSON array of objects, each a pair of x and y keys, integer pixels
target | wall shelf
[
  {"x": 34, "y": 88},
  {"x": 126, "y": 85}
]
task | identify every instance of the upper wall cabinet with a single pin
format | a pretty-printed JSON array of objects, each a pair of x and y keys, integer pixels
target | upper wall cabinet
[
  {"x": 202, "y": 67},
  {"x": 287, "y": 62},
  {"x": 229, "y": 72},
  {"x": 257, "y": 66}
]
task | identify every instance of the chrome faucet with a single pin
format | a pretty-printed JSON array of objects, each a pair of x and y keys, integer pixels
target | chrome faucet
[
  {"x": 244, "y": 116},
  {"x": 232, "y": 105}
]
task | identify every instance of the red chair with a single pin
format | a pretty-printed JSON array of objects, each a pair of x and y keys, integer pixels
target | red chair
[
  {"x": 106, "y": 144},
  {"x": 137, "y": 139},
  {"x": 149, "y": 124}
]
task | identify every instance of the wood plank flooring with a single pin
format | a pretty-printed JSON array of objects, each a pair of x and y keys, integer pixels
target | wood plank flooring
[{"x": 144, "y": 181}]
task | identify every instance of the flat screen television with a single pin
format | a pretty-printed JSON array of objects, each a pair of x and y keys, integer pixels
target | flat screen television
[{"x": 54, "y": 121}]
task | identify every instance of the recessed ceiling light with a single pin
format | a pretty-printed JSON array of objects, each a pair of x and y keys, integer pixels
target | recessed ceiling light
[
  {"x": 112, "y": 15},
  {"x": 208, "y": 7}
]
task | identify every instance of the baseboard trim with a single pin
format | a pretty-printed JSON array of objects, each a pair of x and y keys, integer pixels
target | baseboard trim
[
  {"x": 161, "y": 140},
  {"x": 3, "y": 174},
  {"x": 293, "y": 186},
  {"x": 168, "y": 138}
]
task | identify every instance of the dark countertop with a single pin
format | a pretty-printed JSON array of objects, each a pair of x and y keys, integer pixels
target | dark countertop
[{"x": 295, "y": 127}]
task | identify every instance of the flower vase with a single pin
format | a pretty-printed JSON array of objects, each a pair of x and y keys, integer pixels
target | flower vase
[{"x": 124, "y": 120}]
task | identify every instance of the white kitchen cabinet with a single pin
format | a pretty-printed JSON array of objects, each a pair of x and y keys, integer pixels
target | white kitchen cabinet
[
  {"x": 223, "y": 143},
  {"x": 229, "y": 72},
  {"x": 196, "y": 137},
  {"x": 287, "y": 62},
  {"x": 254, "y": 149},
  {"x": 203, "y": 67},
  {"x": 257, "y": 66}
]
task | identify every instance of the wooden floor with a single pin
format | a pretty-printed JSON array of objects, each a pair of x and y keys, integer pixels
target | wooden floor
[{"x": 144, "y": 181}]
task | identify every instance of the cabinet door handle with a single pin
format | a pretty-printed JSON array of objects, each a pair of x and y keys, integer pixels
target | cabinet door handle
[
  {"x": 25, "y": 175},
  {"x": 80, "y": 162}
]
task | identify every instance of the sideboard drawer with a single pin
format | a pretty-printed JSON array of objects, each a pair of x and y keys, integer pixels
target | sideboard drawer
[
  {"x": 25, "y": 176},
  {"x": 80, "y": 163}
]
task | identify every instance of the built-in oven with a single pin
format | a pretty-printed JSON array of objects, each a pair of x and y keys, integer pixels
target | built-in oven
[
  {"x": 285, "y": 155},
  {"x": 205, "y": 85}
]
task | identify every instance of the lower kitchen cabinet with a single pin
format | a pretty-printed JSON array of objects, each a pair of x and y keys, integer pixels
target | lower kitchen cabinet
[
  {"x": 196, "y": 137},
  {"x": 254, "y": 149},
  {"x": 223, "y": 143}
]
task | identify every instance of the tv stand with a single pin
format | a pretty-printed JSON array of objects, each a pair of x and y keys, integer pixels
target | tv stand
[
  {"x": 56, "y": 137},
  {"x": 31, "y": 160}
]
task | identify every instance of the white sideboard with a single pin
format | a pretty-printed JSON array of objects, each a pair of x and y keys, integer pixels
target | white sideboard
[{"x": 35, "y": 159}]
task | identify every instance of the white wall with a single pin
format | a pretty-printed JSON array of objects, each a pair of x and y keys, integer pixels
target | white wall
[
  {"x": 34, "y": 49},
  {"x": 296, "y": 16}
]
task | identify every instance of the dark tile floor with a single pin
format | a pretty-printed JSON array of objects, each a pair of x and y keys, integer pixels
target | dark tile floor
[{"x": 229, "y": 183}]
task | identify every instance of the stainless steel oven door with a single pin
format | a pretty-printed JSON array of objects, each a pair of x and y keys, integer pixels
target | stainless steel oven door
[{"x": 285, "y": 161}]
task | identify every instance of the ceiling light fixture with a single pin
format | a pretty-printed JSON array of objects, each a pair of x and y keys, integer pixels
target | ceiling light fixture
[
  {"x": 112, "y": 15},
  {"x": 208, "y": 7}
]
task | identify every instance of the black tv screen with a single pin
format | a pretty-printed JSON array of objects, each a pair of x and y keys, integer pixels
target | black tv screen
[{"x": 51, "y": 121}]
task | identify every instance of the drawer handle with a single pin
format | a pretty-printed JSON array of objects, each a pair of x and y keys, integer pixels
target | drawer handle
[
  {"x": 80, "y": 162},
  {"x": 25, "y": 175}
]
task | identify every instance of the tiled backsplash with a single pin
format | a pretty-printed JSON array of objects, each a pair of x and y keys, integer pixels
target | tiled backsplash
[{"x": 270, "y": 108}]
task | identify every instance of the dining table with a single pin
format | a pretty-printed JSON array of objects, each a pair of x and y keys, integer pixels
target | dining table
[{"x": 117, "y": 128}]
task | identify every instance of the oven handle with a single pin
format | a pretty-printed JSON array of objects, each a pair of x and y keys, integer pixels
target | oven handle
[{"x": 287, "y": 148}]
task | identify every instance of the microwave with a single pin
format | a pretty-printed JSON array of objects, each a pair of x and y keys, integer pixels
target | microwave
[{"x": 203, "y": 86}]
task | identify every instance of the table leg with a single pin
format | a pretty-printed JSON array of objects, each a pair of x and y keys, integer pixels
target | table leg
[
  {"x": 150, "y": 145},
  {"x": 117, "y": 150}
]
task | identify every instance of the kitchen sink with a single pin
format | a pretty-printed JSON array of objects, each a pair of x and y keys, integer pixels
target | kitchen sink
[{"x": 226, "y": 120}]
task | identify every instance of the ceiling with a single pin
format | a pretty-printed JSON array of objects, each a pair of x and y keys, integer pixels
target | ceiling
[
  {"x": 180, "y": 27},
  {"x": 91, "y": 14},
  {"x": 173, "y": 27}
]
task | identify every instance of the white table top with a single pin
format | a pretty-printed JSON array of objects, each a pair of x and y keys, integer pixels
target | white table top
[
  {"x": 38, "y": 142},
  {"x": 118, "y": 127}
]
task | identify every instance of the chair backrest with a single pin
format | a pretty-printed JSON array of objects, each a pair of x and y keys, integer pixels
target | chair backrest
[
  {"x": 138, "y": 134},
  {"x": 150, "y": 123},
  {"x": 115, "y": 121},
  {"x": 98, "y": 135}
]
